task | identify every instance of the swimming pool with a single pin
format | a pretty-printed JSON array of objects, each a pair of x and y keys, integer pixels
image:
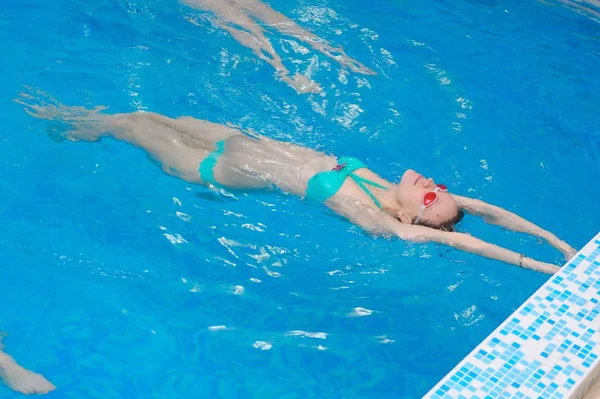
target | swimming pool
[{"x": 119, "y": 281}]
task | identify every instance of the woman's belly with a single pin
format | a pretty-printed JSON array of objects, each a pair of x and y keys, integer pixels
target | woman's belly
[{"x": 249, "y": 163}]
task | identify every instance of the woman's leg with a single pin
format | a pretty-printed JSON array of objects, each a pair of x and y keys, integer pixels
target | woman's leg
[
  {"x": 234, "y": 19},
  {"x": 179, "y": 145},
  {"x": 283, "y": 24}
]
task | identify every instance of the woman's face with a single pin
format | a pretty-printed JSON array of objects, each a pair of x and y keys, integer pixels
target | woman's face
[{"x": 411, "y": 192}]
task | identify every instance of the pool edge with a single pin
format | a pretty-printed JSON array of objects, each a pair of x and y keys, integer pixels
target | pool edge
[{"x": 545, "y": 348}]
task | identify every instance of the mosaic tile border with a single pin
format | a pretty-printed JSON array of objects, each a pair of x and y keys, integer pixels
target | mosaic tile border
[{"x": 547, "y": 349}]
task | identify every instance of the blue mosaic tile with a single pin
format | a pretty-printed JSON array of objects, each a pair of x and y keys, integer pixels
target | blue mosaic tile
[{"x": 545, "y": 348}]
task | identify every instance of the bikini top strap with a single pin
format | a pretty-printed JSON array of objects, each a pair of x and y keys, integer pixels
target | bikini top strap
[
  {"x": 352, "y": 164},
  {"x": 367, "y": 181},
  {"x": 361, "y": 183}
]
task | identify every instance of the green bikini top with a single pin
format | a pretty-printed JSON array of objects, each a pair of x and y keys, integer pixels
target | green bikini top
[{"x": 325, "y": 185}]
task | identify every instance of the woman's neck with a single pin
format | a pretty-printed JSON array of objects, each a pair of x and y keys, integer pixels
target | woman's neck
[
  {"x": 385, "y": 196},
  {"x": 389, "y": 203}
]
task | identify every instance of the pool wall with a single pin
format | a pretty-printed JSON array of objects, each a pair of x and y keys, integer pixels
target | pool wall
[{"x": 546, "y": 349}]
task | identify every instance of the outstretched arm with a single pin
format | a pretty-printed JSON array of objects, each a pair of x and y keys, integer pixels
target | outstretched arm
[
  {"x": 21, "y": 379},
  {"x": 498, "y": 216},
  {"x": 471, "y": 244},
  {"x": 378, "y": 222}
]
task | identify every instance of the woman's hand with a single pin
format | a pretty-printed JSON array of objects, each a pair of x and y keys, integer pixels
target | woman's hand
[
  {"x": 568, "y": 251},
  {"x": 543, "y": 267},
  {"x": 565, "y": 248}
]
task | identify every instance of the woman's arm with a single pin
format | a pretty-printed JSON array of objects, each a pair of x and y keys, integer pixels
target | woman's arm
[
  {"x": 498, "y": 216},
  {"x": 377, "y": 222},
  {"x": 471, "y": 244}
]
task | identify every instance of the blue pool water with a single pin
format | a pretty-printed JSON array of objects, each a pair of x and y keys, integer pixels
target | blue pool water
[{"x": 118, "y": 281}]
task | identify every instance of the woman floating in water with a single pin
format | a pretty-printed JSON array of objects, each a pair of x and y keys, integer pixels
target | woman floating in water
[
  {"x": 240, "y": 18},
  {"x": 21, "y": 379},
  {"x": 197, "y": 151}
]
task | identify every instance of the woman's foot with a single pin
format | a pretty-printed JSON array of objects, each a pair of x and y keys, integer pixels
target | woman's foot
[
  {"x": 24, "y": 381},
  {"x": 301, "y": 83},
  {"x": 71, "y": 123}
]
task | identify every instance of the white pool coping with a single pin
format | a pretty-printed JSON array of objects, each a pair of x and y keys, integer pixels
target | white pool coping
[{"x": 547, "y": 349}]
